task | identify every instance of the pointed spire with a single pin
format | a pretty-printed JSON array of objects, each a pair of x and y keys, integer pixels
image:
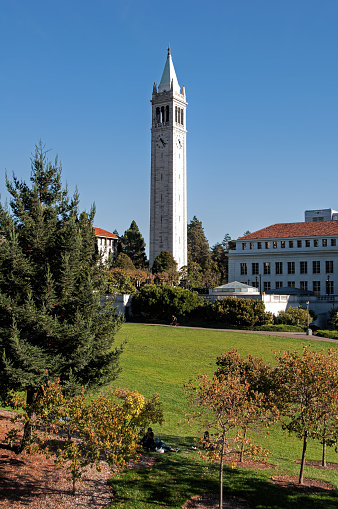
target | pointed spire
[{"x": 169, "y": 79}]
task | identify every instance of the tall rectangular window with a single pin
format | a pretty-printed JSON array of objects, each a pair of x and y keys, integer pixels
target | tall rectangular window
[
  {"x": 244, "y": 269},
  {"x": 316, "y": 267},
  {"x": 255, "y": 284},
  {"x": 259, "y": 245},
  {"x": 333, "y": 242},
  {"x": 282, "y": 244},
  {"x": 291, "y": 267},
  {"x": 290, "y": 244},
  {"x": 329, "y": 288},
  {"x": 255, "y": 268},
  {"x": 291, "y": 284},
  {"x": 267, "y": 245},
  {"x": 324, "y": 242},
  {"x": 279, "y": 284},
  {"x": 303, "y": 285},
  {"x": 315, "y": 243},
  {"x": 266, "y": 266},
  {"x": 244, "y": 246},
  {"x": 303, "y": 267},
  {"x": 279, "y": 267},
  {"x": 329, "y": 266},
  {"x": 267, "y": 286},
  {"x": 299, "y": 243},
  {"x": 274, "y": 244},
  {"x": 307, "y": 243},
  {"x": 252, "y": 245},
  {"x": 316, "y": 287}
]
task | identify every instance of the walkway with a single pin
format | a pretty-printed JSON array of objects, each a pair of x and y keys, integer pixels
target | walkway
[{"x": 294, "y": 335}]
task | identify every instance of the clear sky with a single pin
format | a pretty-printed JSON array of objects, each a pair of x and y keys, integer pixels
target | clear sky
[{"x": 261, "y": 80}]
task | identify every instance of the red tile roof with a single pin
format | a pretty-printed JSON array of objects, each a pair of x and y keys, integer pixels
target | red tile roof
[
  {"x": 103, "y": 233},
  {"x": 286, "y": 230}
]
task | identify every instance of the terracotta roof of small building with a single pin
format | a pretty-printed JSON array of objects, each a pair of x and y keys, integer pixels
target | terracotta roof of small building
[
  {"x": 103, "y": 233},
  {"x": 286, "y": 230}
]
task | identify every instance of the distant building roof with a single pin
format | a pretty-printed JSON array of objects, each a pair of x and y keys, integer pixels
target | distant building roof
[
  {"x": 235, "y": 287},
  {"x": 103, "y": 233},
  {"x": 286, "y": 230}
]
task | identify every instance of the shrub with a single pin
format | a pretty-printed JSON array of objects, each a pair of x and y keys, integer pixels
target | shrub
[
  {"x": 333, "y": 334},
  {"x": 280, "y": 328},
  {"x": 334, "y": 318},
  {"x": 161, "y": 301},
  {"x": 239, "y": 312},
  {"x": 293, "y": 316}
]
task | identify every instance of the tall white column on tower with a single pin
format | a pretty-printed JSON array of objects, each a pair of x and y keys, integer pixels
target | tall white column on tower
[{"x": 168, "y": 198}]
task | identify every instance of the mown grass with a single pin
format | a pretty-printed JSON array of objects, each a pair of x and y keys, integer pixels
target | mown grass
[{"x": 161, "y": 359}]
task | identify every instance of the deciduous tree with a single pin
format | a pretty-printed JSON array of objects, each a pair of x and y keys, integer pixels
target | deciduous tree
[
  {"x": 306, "y": 391},
  {"x": 218, "y": 405},
  {"x": 83, "y": 429}
]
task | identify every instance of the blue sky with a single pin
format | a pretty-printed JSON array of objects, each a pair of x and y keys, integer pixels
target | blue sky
[{"x": 261, "y": 80}]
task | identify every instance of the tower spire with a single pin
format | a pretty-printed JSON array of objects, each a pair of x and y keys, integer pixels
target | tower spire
[{"x": 169, "y": 78}]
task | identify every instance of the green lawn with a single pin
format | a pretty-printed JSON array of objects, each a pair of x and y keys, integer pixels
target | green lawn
[{"x": 161, "y": 359}]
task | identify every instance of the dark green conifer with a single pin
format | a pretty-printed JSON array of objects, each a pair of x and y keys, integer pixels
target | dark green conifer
[
  {"x": 51, "y": 281},
  {"x": 133, "y": 245}
]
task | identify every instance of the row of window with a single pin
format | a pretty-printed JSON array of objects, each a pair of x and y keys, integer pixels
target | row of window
[
  {"x": 291, "y": 267},
  {"x": 303, "y": 286},
  {"x": 104, "y": 242},
  {"x": 291, "y": 244},
  {"x": 329, "y": 285},
  {"x": 162, "y": 115},
  {"x": 179, "y": 115}
]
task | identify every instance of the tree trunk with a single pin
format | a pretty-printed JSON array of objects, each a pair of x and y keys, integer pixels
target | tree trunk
[
  {"x": 324, "y": 453},
  {"x": 301, "y": 473},
  {"x": 221, "y": 472},
  {"x": 27, "y": 430},
  {"x": 241, "y": 457}
]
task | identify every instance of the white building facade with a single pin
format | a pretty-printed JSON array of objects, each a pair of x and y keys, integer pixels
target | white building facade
[
  {"x": 168, "y": 199},
  {"x": 106, "y": 243},
  {"x": 297, "y": 255}
]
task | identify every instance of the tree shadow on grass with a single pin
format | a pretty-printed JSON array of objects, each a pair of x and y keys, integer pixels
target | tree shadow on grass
[{"x": 176, "y": 477}]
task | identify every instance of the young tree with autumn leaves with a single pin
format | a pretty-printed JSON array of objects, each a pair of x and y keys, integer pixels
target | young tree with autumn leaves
[
  {"x": 306, "y": 390},
  {"x": 262, "y": 411},
  {"x": 220, "y": 405}
]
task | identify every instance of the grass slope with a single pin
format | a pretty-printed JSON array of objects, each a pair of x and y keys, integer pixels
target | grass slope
[{"x": 161, "y": 359}]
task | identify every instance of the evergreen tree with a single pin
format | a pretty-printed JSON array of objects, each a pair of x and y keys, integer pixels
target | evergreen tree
[
  {"x": 198, "y": 246},
  {"x": 219, "y": 256},
  {"x": 122, "y": 261},
  {"x": 51, "y": 280},
  {"x": 133, "y": 245},
  {"x": 164, "y": 262}
]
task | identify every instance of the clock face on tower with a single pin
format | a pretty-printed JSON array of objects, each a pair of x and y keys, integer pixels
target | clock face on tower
[
  {"x": 162, "y": 141},
  {"x": 179, "y": 143}
]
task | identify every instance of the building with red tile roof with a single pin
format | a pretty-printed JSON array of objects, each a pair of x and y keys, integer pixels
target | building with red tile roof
[
  {"x": 106, "y": 243},
  {"x": 303, "y": 256}
]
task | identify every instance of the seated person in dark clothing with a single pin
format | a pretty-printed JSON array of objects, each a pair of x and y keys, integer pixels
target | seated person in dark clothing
[{"x": 148, "y": 441}]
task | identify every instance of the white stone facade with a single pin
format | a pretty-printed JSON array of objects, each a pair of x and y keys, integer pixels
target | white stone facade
[
  {"x": 106, "y": 244},
  {"x": 168, "y": 199},
  {"x": 299, "y": 255}
]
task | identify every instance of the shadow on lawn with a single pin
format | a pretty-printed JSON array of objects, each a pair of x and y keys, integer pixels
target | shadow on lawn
[{"x": 176, "y": 477}]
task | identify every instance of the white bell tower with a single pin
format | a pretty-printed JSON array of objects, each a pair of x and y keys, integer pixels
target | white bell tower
[{"x": 168, "y": 199}]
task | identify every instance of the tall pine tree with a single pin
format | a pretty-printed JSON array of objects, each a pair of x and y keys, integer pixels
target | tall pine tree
[
  {"x": 133, "y": 245},
  {"x": 51, "y": 280}
]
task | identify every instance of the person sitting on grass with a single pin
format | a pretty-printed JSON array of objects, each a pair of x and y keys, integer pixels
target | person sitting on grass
[{"x": 148, "y": 441}]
